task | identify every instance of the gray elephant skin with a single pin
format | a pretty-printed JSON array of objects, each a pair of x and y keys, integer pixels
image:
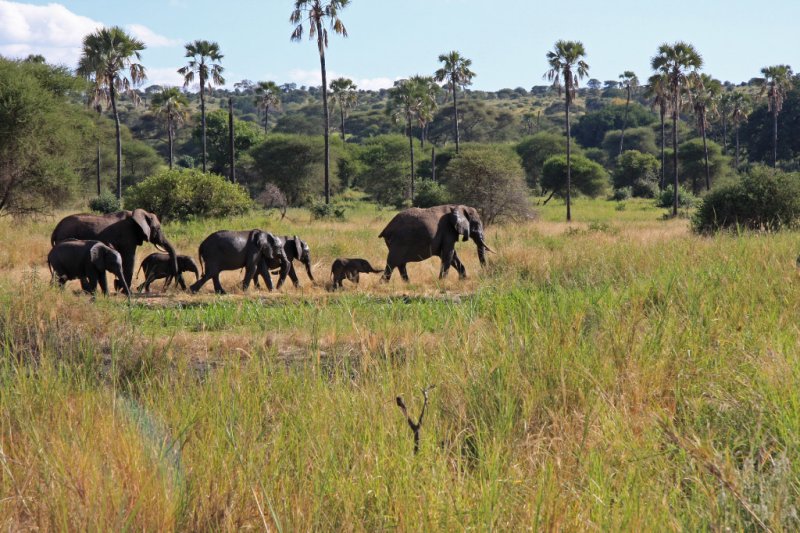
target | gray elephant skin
[
  {"x": 233, "y": 250},
  {"x": 158, "y": 266},
  {"x": 350, "y": 268},
  {"x": 87, "y": 261},
  {"x": 124, "y": 231},
  {"x": 295, "y": 250},
  {"x": 417, "y": 234}
]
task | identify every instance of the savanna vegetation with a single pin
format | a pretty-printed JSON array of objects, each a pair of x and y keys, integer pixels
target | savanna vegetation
[{"x": 634, "y": 367}]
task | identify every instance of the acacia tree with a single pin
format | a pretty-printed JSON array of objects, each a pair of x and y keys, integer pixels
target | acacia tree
[
  {"x": 268, "y": 96},
  {"x": 171, "y": 106},
  {"x": 740, "y": 110},
  {"x": 456, "y": 72},
  {"x": 704, "y": 94},
  {"x": 677, "y": 62},
  {"x": 567, "y": 68},
  {"x": 205, "y": 57},
  {"x": 343, "y": 92},
  {"x": 777, "y": 81},
  {"x": 658, "y": 91},
  {"x": 110, "y": 60},
  {"x": 315, "y": 13},
  {"x": 630, "y": 83}
]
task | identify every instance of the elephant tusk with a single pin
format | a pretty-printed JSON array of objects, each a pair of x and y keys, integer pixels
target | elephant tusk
[{"x": 489, "y": 249}]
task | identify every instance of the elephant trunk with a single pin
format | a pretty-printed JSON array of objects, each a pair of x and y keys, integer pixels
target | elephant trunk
[
  {"x": 482, "y": 247},
  {"x": 121, "y": 277},
  {"x": 307, "y": 263},
  {"x": 159, "y": 240}
]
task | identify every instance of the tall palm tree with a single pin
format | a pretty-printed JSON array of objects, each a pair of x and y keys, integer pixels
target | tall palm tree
[
  {"x": 567, "y": 68},
  {"x": 705, "y": 91},
  {"x": 315, "y": 13},
  {"x": 724, "y": 108},
  {"x": 658, "y": 91},
  {"x": 429, "y": 94},
  {"x": 630, "y": 83},
  {"x": 170, "y": 104},
  {"x": 677, "y": 62},
  {"x": 205, "y": 57},
  {"x": 455, "y": 71},
  {"x": 740, "y": 110},
  {"x": 110, "y": 59},
  {"x": 268, "y": 96},
  {"x": 343, "y": 92},
  {"x": 777, "y": 81},
  {"x": 406, "y": 99}
]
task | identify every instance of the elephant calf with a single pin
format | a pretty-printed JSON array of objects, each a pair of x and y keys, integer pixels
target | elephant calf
[
  {"x": 159, "y": 266},
  {"x": 87, "y": 261},
  {"x": 350, "y": 268},
  {"x": 295, "y": 250}
]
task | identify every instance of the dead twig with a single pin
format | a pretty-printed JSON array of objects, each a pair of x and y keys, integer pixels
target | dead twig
[{"x": 415, "y": 427}]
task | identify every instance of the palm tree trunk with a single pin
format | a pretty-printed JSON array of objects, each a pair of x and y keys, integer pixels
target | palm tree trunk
[
  {"x": 705, "y": 153},
  {"x": 98, "y": 167},
  {"x": 663, "y": 181},
  {"x": 455, "y": 114},
  {"x": 170, "y": 135},
  {"x": 724, "y": 134},
  {"x": 113, "y": 94},
  {"x": 774, "y": 136},
  {"x": 736, "y": 159},
  {"x": 341, "y": 113},
  {"x": 326, "y": 118},
  {"x": 203, "y": 119},
  {"x": 266, "y": 119},
  {"x": 569, "y": 163},
  {"x": 231, "y": 143},
  {"x": 433, "y": 163},
  {"x": 411, "y": 146},
  {"x": 624, "y": 122},
  {"x": 675, "y": 157}
]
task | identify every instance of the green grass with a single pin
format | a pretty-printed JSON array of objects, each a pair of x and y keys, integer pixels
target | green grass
[{"x": 617, "y": 374}]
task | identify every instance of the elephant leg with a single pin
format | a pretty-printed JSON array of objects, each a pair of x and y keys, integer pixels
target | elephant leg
[
  {"x": 128, "y": 260},
  {"x": 101, "y": 278},
  {"x": 355, "y": 278},
  {"x": 293, "y": 276},
  {"x": 387, "y": 272},
  {"x": 459, "y": 266},
  {"x": 181, "y": 283},
  {"x": 167, "y": 282},
  {"x": 403, "y": 272},
  {"x": 217, "y": 285},
  {"x": 207, "y": 275}
]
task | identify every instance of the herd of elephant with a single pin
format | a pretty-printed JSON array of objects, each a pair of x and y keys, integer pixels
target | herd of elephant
[{"x": 86, "y": 246}]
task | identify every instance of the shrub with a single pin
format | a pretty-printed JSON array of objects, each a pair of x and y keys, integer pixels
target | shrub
[
  {"x": 588, "y": 177},
  {"x": 385, "y": 169},
  {"x": 106, "y": 203},
  {"x": 320, "y": 210},
  {"x": 429, "y": 193},
  {"x": 640, "y": 139},
  {"x": 621, "y": 194},
  {"x": 535, "y": 150},
  {"x": 763, "y": 199},
  {"x": 273, "y": 198},
  {"x": 692, "y": 166},
  {"x": 491, "y": 179},
  {"x": 685, "y": 198},
  {"x": 181, "y": 194},
  {"x": 638, "y": 171}
]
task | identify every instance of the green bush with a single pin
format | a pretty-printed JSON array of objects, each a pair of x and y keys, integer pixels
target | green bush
[
  {"x": 429, "y": 193},
  {"x": 181, "y": 194},
  {"x": 320, "y": 210},
  {"x": 106, "y": 203},
  {"x": 621, "y": 194},
  {"x": 763, "y": 199},
  {"x": 685, "y": 198},
  {"x": 638, "y": 171},
  {"x": 587, "y": 177}
]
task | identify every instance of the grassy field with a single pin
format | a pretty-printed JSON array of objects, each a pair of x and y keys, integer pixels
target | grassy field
[{"x": 618, "y": 373}]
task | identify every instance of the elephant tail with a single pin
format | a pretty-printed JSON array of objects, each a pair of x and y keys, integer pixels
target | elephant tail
[{"x": 372, "y": 269}]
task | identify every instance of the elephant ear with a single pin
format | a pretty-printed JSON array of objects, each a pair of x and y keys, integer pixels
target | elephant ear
[
  {"x": 459, "y": 223},
  {"x": 97, "y": 256},
  {"x": 298, "y": 246},
  {"x": 142, "y": 219}
]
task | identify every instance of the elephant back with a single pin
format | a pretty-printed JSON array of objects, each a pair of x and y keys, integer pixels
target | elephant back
[
  {"x": 413, "y": 223},
  {"x": 84, "y": 226}
]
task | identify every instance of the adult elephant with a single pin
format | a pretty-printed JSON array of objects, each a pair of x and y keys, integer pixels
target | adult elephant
[
  {"x": 295, "y": 250},
  {"x": 416, "y": 234},
  {"x": 233, "y": 250},
  {"x": 124, "y": 230}
]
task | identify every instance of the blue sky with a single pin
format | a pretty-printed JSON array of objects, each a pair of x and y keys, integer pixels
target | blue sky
[{"x": 391, "y": 40}]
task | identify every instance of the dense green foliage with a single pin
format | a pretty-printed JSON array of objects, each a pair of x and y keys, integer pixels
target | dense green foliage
[
  {"x": 535, "y": 150},
  {"x": 106, "y": 203},
  {"x": 385, "y": 169},
  {"x": 490, "y": 179},
  {"x": 691, "y": 162},
  {"x": 430, "y": 193},
  {"x": 182, "y": 194},
  {"x": 246, "y": 135},
  {"x": 639, "y": 139},
  {"x": 763, "y": 198},
  {"x": 587, "y": 177},
  {"x": 591, "y": 128},
  {"x": 638, "y": 171}
]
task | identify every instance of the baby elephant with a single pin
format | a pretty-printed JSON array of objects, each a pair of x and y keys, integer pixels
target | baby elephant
[
  {"x": 350, "y": 269},
  {"x": 158, "y": 266},
  {"x": 87, "y": 261}
]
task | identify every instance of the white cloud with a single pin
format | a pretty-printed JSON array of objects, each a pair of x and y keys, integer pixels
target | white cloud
[
  {"x": 150, "y": 38},
  {"x": 51, "y": 30},
  {"x": 164, "y": 76},
  {"x": 55, "y": 32},
  {"x": 314, "y": 78}
]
